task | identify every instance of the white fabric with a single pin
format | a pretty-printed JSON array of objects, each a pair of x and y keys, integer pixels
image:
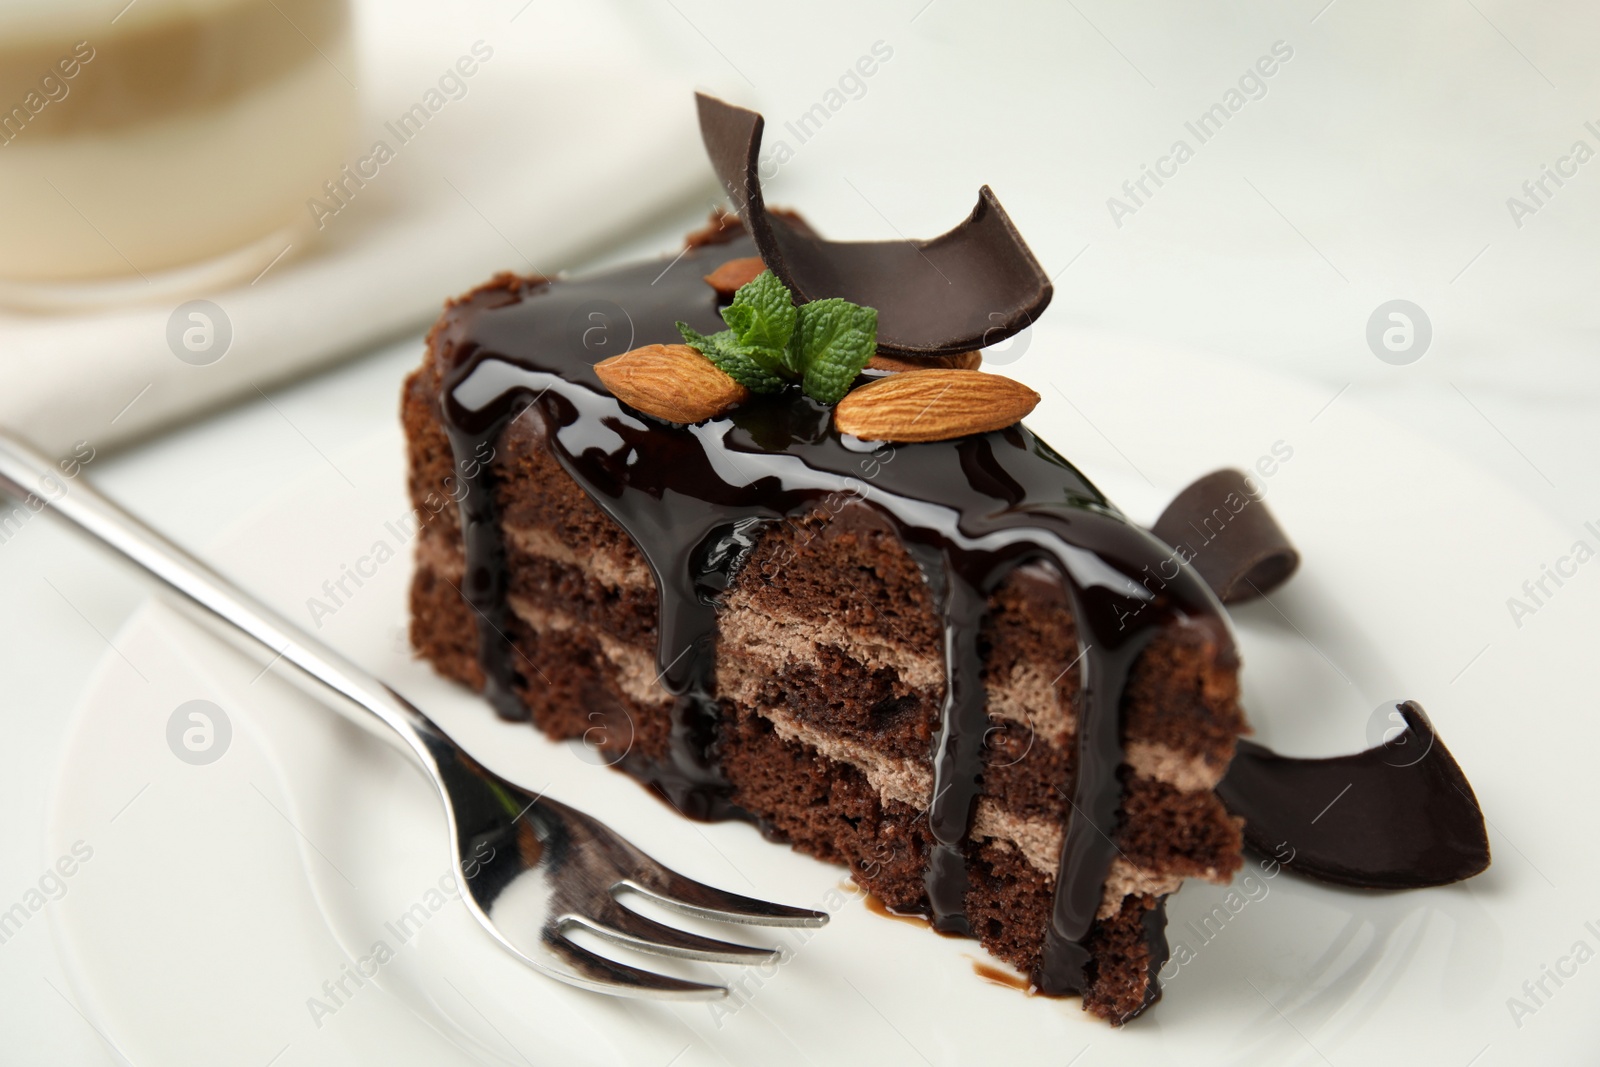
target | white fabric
[{"x": 556, "y": 150}]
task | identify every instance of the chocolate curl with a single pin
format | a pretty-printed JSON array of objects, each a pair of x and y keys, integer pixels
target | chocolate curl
[
  {"x": 969, "y": 288},
  {"x": 1222, "y": 528},
  {"x": 1397, "y": 816}
]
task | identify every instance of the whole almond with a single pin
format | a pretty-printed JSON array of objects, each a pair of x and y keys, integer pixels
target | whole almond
[
  {"x": 672, "y": 382},
  {"x": 728, "y": 278},
  {"x": 933, "y": 405},
  {"x": 884, "y": 361}
]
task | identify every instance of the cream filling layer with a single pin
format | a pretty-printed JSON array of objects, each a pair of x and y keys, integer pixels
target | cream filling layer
[
  {"x": 772, "y": 639},
  {"x": 633, "y": 668},
  {"x": 781, "y": 638},
  {"x": 1027, "y": 687},
  {"x": 1149, "y": 759},
  {"x": 614, "y": 570},
  {"x": 610, "y": 568},
  {"x": 442, "y": 556},
  {"x": 1037, "y": 840},
  {"x": 1028, "y": 696}
]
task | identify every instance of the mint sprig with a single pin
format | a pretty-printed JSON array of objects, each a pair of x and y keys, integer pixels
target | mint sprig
[
  {"x": 836, "y": 339},
  {"x": 762, "y": 317},
  {"x": 753, "y": 369},
  {"x": 770, "y": 344}
]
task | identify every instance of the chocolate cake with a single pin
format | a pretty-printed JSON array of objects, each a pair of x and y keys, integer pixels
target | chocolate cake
[{"x": 951, "y": 666}]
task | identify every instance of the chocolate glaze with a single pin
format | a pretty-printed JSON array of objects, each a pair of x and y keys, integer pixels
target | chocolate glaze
[
  {"x": 695, "y": 499},
  {"x": 969, "y": 288},
  {"x": 1397, "y": 816}
]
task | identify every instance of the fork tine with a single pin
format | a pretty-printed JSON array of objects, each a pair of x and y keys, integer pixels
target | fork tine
[
  {"x": 592, "y": 971},
  {"x": 632, "y": 930},
  {"x": 682, "y": 894}
]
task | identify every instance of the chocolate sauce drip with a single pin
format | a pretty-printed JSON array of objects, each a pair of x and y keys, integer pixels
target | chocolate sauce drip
[
  {"x": 487, "y": 579},
  {"x": 695, "y": 500},
  {"x": 1398, "y": 816},
  {"x": 969, "y": 288}
]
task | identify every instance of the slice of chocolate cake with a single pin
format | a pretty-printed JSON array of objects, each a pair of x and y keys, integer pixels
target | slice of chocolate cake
[
  {"x": 951, "y": 665},
  {"x": 826, "y": 677}
]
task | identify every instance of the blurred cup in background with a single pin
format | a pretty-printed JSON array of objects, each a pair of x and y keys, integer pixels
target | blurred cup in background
[{"x": 164, "y": 145}]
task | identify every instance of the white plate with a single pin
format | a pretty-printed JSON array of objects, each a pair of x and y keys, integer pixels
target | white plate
[{"x": 219, "y": 898}]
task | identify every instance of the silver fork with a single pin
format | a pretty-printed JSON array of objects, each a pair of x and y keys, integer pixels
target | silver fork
[{"x": 532, "y": 870}]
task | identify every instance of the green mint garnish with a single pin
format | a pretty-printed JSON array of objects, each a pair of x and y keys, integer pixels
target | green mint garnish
[
  {"x": 762, "y": 317},
  {"x": 770, "y": 344},
  {"x": 755, "y": 371},
  {"x": 836, "y": 339}
]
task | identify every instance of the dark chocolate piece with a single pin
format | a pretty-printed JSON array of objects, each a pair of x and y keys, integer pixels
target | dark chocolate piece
[
  {"x": 1222, "y": 528},
  {"x": 1397, "y": 816},
  {"x": 694, "y": 499},
  {"x": 969, "y": 288}
]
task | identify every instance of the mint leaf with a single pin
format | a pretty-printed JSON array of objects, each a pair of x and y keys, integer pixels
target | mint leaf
[
  {"x": 836, "y": 338},
  {"x": 770, "y": 343},
  {"x": 752, "y": 369},
  {"x": 762, "y": 313}
]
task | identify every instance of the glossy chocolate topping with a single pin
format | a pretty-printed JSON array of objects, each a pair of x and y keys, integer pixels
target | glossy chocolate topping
[
  {"x": 969, "y": 288},
  {"x": 695, "y": 499}
]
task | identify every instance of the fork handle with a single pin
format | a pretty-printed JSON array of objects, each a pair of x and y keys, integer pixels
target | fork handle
[{"x": 32, "y": 479}]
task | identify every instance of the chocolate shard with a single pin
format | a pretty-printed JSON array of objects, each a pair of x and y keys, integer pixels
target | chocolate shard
[
  {"x": 969, "y": 288},
  {"x": 1397, "y": 816},
  {"x": 1222, "y": 527}
]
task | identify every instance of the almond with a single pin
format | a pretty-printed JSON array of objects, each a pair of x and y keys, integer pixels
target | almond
[
  {"x": 885, "y": 361},
  {"x": 672, "y": 382},
  {"x": 728, "y": 278},
  {"x": 933, "y": 405}
]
